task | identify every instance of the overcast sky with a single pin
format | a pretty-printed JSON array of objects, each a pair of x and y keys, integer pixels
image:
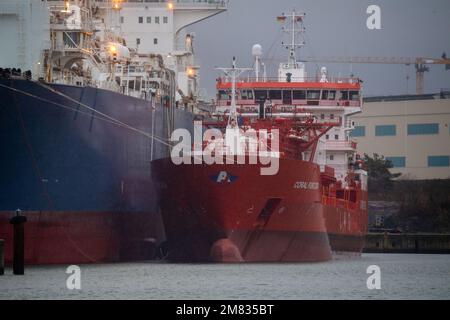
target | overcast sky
[{"x": 410, "y": 28}]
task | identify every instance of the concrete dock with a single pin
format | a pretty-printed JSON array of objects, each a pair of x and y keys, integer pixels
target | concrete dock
[{"x": 407, "y": 243}]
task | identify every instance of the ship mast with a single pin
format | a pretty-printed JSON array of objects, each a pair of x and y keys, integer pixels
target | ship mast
[
  {"x": 233, "y": 73},
  {"x": 294, "y": 30}
]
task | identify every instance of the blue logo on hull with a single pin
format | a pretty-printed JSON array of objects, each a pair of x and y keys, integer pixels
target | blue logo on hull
[{"x": 223, "y": 177}]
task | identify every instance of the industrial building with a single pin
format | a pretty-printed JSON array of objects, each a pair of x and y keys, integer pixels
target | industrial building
[{"x": 412, "y": 131}]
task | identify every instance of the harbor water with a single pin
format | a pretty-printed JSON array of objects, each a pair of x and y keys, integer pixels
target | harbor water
[{"x": 403, "y": 276}]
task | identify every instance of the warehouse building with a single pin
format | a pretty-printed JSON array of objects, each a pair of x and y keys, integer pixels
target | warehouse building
[{"x": 412, "y": 131}]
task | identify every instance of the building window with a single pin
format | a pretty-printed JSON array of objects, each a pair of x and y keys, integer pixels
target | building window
[
  {"x": 332, "y": 116},
  {"x": 423, "y": 128},
  {"x": 322, "y": 116},
  {"x": 336, "y": 137},
  {"x": 165, "y": 20},
  {"x": 327, "y": 136},
  {"x": 331, "y": 157},
  {"x": 157, "y": 20},
  {"x": 397, "y": 162},
  {"x": 385, "y": 130},
  {"x": 149, "y": 19},
  {"x": 155, "y": 41},
  {"x": 438, "y": 161},
  {"x": 138, "y": 41},
  {"x": 359, "y": 131},
  {"x": 141, "y": 19},
  {"x": 122, "y": 19}
]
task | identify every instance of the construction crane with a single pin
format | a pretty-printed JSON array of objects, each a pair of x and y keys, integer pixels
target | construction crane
[{"x": 421, "y": 64}]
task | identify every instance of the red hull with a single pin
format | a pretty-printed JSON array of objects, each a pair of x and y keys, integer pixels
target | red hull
[
  {"x": 346, "y": 223},
  {"x": 253, "y": 218},
  {"x": 84, "y": 237}
]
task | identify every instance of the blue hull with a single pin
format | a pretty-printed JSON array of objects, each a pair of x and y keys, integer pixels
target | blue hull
[{"x": 58, "y": 156}]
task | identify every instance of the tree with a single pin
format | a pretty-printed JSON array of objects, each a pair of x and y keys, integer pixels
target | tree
[{"x": 380, "y": 178}]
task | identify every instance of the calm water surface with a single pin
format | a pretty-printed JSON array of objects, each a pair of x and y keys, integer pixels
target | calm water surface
[{"x": 403, "y": 276}]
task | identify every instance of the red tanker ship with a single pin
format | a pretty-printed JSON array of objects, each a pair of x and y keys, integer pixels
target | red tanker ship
[{"x": 315, "y": 203}]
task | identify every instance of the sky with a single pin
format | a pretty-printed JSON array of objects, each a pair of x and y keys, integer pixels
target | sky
[{"x": 334, "y": 28}]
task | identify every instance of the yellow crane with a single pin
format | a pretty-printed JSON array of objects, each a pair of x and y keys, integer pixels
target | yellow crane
[{"x": 421, "y": 64}]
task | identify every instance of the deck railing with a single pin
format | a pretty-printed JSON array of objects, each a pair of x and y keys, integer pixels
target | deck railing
[
  {"x": 344, "y": 80},
  {"x": 340, "y": 145}
]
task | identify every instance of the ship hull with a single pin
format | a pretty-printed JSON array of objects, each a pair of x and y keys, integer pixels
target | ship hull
[
  {"x": 82, "y": 178},
  {"x": 246, "y": 218},
  {"x": 346, "y": 223},
  {"x": 84, "y": 237}
]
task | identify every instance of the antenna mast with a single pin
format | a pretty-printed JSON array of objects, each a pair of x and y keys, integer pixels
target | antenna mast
[
  {"x": 233, "y": 73},
  {"x": 296, "y": 20}
]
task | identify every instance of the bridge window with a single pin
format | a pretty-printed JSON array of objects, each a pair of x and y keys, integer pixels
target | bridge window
[
  {"x": 287, "y": 96},
  {"x": 328, "y": 94},
  {"x": 141, "y": 19},
  {"x": 261, "y": 94},
  {"x": 354, "y": 95},
  {"x": 149, "y": 19},
  {"x": 299, "y": 95},
  {"x": 275, "y": 94},
  {"x": 332, "y": 95},
  {"x": 313, "y": 95},
  {"x": 165, "y": 19},
  {"x": 247, "y": 94},
  {"x": 224, "y": 95},
  {"x": 157, "y": 20},
  {"x": 344, "y": 95}
]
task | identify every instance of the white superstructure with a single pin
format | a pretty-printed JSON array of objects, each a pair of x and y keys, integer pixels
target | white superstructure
[
  {"x": 44, "y": 35},
  {"x": 293, "y": 94}
]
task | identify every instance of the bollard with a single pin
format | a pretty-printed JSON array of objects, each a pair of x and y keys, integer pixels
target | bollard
[
  {"x": 18, "y": 222},
  {"x": 2, "y": 257}
]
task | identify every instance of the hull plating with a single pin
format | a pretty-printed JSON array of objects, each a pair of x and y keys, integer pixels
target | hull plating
[
  {"x": 83, "y": 181},
  {"x": 247, "y": 217}
]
